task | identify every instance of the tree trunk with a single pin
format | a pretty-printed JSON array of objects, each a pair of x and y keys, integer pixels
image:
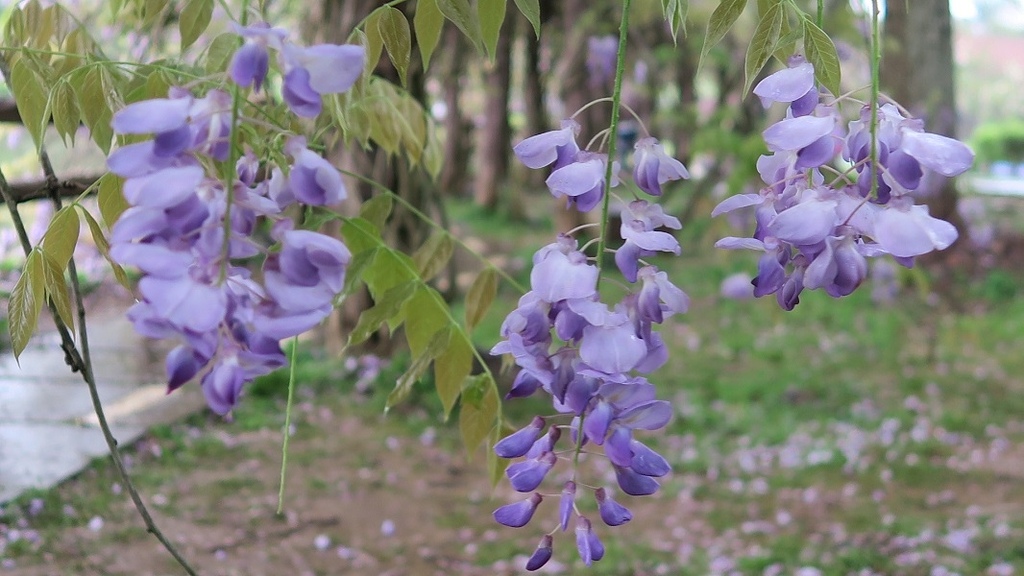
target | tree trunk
[
  {"x": 917, "y": 71},
  {"x": 457, "y": 129},
  {"x": 495, "y": 135}
]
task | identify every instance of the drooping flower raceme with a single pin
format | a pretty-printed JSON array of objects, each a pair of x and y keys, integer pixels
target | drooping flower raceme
[
  {"x": 814, "y": 234},
  {"x": 589, "y": 356},
  {"x": 186, "y": 231}
]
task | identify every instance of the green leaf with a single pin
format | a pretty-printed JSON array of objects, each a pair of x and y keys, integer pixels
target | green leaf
[
  {"x": 480, "y": 296},
  {"x": 194, "y": 19},
  {"x": 388, "y": 308},
  {"x": 389, "y": 269},
  {"x": 31, "y": 96},
  {"x": 376, "y": 210},
  {"x": 462, "y": 14},
  {"x": 354, "y": 272},
  {"x": 316, "y": 216},
  {"x": 428, "y": 24},
  {"x": 492, "y": 16},
  {"x": 821, "y": 52},
  {"x": 103, "y": 247},
  {"x": 111, "y": 200},
  {"x": 220, "y": 51},
  {"x": 92, "y": 89},
  {"x": 531, "y": 9},
  {"x": 722, "y": 19},
  {"x": 394, "y": 31},
  {"x": 478, "y": 412},
  {"x": 450, "y": 370},
  {"x": 57, "y": 289},
  {"x": 675, "y": 15},
  {"x": 374, "y": 40},
  {"x": 64, "y": 107},
  {"x": 438, "y": 342},
  {"x": 425, "y": 314},
  {"x": 433, "y": 256},
  {"x": 61, "y": 236},
  {"x": 766, "y": 35},
  {"x": 495, "y": 464},
  {"x": 26, "y": 301}
]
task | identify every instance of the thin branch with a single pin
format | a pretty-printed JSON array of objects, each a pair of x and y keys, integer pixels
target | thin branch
[
  {"x": 82, "y": 362},
  {"x": 38, "y": 190}
]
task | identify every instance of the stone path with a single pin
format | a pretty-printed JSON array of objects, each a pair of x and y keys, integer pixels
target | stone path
[{"x": 48, "y": 431}]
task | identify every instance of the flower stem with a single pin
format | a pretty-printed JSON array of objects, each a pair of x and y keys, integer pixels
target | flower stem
[
  {"x": 876, "y": 58},
  {"x": 613, "y": 136},
  {"x": 287, "y": 422}
]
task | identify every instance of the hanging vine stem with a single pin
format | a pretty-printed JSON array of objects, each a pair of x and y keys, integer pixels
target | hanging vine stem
[
  {"x": 81, "y": 361},
  {"x": 876, "y": 59}
]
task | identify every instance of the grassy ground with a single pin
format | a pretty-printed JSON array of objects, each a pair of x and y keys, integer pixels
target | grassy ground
[{"x": 847, "y": 437}]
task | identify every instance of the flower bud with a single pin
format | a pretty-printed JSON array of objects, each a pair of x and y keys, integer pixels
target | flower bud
[
  {"x": 526, "y": 476},
  {"x": 519, "y": 443},
  {"x": 589, "y": 546},
  {"x": 542, "y": 554},
  {"x": 565, "y": 504},
  {"x": 518, "y": 514},
  {"x": 612, "y": 513}
]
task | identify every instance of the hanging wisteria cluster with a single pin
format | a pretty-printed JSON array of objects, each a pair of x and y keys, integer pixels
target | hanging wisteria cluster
[
  {"x": 589, "y": 356},
  {"x": 187, "y": 227},
  {"x": 817, "y": 226}
]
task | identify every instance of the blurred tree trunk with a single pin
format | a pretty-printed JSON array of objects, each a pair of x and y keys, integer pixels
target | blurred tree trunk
[
  {"x": 495, "y": 134},
  {"x": 457, "y": 129},
  {"x": 917, "y": 71},
  {"x": 534, "y": 80}
]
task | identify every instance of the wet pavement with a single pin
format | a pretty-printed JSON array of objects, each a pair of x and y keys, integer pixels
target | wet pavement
[{"x": 48, "y": 431}]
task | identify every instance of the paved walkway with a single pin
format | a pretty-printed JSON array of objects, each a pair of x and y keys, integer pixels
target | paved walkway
[{"x": 48, "y": 431}]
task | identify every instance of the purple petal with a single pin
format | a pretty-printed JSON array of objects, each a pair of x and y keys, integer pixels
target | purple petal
[
  {"x": 635, "y": 484},
  {"x": 249, "y": 65},
  {"x": 519, "y": 442},
  {"x": 577, "y": 178},
  {"x": 528, "y": 477},
  {"x": 541, "y": 555},
  {"x": 618, "y": 448},
  {"x": 595, "y": 425},
  {"x": 612, "y": 349},
  {"x": 542, "y": 149},
  {"x": 736, "y": 202},
  {"x": 223, "y": 385},
  {"x": 518, "y": 514},
  {"x": 300, "y": 96},
  {"x": 913, "y": 232},
  {"x": 565, "y": 504},
  {"x": 806, "y": 223},
  {"x": 647, "y": 416},
  {"x": 646, "y": 461}
]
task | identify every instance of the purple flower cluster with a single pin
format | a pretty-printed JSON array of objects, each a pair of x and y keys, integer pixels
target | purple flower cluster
[
  {"x": 816, "y": 234},
  {"x": 186, "y": 231},
  {"x": 309, "y": 71},
  {"x": 588, "y": 356}
]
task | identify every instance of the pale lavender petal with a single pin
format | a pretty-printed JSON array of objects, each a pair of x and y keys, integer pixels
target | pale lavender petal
[
  {"x": 618, "y": 448},
  {"x": 595, "y": 425},
  {"x": 736, "y": 202},
  {"x": 913, "y": 232},
  {"x": 944, "y": 155},
  {"x": 797, "y": 133},
  {"x": 786, "y": 85},
  {"x": 612, "y": 349},
  {"x": 736, "y": 243},
  {"x": 152, "y": 116},
  {"x": 541, "y": 150},
  {"x": 806, "y": 223},
  {"x": 577, "y": 178},
  {"x": 299, "y": 95},
  {"x": 332, "y": 68}
]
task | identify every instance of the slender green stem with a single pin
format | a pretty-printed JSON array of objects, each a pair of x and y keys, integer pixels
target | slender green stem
[
  {"x": 876, "y": 59},
  {"x": 820, "y": 19},
  {"x": 430, "y": 222},
  {"x": 613, "y": 136},
  {"x": 613, "y": 133},
  {"x": 233, "y": 155},
  {"x": 287, "y": 422}
]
